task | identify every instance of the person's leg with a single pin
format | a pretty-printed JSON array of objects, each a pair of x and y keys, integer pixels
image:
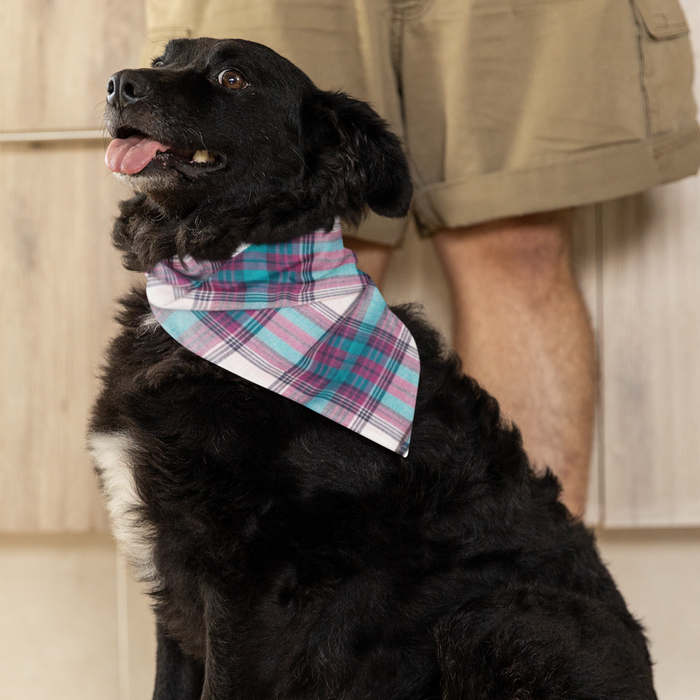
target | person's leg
[
  {"x": 372, "y": 258},
  {"x": 522, "y": 330}
]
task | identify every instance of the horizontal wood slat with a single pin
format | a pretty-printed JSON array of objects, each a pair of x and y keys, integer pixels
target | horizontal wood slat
[{"x": 40, "y": 136}]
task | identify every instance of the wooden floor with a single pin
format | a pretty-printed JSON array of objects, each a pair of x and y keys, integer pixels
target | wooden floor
[{"x": 76, "y": 627}]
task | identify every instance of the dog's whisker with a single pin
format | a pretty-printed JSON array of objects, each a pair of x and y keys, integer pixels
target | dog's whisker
[
  {"x": 198, "y": 134},
  {"x": 301, "y": 158}
]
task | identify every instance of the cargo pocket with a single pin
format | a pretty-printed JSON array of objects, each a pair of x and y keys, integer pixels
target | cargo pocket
[
  {"x": 662, "y": 19},
  {"x": 666, "y": 67}
]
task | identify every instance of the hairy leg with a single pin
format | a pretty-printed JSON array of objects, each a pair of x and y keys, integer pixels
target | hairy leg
[
  {"x": 522, "y": 330},
  {"x": 372, "y": 258}
]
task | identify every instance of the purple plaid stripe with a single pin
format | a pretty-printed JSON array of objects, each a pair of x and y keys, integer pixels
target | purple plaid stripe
[{"x": 299, "y": 319}]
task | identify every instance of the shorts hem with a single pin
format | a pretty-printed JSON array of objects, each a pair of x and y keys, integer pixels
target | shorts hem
[
  {"x": 606, "y": 173},
  {"x": 379, "y": 229}
]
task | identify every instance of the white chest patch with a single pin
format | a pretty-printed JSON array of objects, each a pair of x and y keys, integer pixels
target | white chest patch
[
  {"x": 148, "y": 323},
  {"x": 112, "y": 455}
]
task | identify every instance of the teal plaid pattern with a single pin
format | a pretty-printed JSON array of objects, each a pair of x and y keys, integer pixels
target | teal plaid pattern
[{"x": 299, "y": 319}]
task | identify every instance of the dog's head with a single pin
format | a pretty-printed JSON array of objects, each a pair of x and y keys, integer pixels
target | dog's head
[{"x": 227, "y": 142}]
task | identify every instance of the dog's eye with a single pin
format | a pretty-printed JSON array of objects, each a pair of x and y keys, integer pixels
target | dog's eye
[
  {"x": 233, "y": 80},
  {"x": 157, "y": 63}
]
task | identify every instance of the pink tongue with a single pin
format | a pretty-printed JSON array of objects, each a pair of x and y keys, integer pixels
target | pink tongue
[{"x": 132, "y": 155}]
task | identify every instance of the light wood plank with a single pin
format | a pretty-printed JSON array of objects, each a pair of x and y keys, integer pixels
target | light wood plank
[
  {"x": 58, "y": 270},
  {"x": 138, "y": 622},
  {"x": 60, "y": 277},
  {"x": 651, "y": 329},
  {"x": 586, "y": 261},
  {"x": 56, "y": 58},
  {"x": 652, "y": 374},
  {"x": 58, "y": 608},
  {"x": 414, "y": 275},
  {"x": 38, "y": 136},
  {"x": 657, "y": 572}
]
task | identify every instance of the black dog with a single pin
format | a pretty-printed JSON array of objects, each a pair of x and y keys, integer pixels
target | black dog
[{"x": 287, "y": 556}]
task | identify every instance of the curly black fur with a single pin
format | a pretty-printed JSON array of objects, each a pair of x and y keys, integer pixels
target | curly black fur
[{"x": 294, "y": 558}]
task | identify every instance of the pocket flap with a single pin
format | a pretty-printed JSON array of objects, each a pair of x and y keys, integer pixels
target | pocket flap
[{"x": 663, "y": 19}]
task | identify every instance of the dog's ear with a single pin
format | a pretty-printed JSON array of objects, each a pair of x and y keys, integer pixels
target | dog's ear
[{"x": 350, "y": 147}]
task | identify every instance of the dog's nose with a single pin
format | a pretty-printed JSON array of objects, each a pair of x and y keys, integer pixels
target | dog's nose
[{"x": 126, "y": 87}]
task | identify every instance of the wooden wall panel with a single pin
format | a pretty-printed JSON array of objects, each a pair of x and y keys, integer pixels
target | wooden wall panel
[
  {"x": 59, "y": 273},
  {"x": 60, "y": 277},
  {"x": 58, "y": 607},
  {"x": 650, "y": 282},
  {"x": 56, "y": 57},
  {"x": 651, "y": 310},
  {"x": 586, "y": 260},
  {"x": 415, "y": 275}
]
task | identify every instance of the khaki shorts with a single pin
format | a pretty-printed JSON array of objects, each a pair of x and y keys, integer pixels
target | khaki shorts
[{"x": 506, "y": 107}]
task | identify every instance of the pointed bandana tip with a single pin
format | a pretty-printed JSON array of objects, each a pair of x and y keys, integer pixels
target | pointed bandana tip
[{"x": 299, "y": 319}]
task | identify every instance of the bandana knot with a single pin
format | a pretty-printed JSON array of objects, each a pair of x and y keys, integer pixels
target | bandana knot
[{"x": 299, "y": 319}]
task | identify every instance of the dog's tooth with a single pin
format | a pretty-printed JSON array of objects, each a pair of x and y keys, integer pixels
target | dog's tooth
[{"x": 202, "y": 157}]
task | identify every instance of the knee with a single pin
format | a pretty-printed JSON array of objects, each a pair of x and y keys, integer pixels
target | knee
[
  {"x": 530, "y": 254},
  {"x": 527, "y": 253}
]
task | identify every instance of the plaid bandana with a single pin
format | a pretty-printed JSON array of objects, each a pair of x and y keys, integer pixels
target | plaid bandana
[{"x": 300, "y": 319}]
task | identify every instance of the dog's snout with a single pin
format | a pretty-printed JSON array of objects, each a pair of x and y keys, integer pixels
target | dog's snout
[{"x": 126, "y": 87}]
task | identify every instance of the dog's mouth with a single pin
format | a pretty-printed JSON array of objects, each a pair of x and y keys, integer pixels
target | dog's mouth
[{"x": 131, "y": 152}]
